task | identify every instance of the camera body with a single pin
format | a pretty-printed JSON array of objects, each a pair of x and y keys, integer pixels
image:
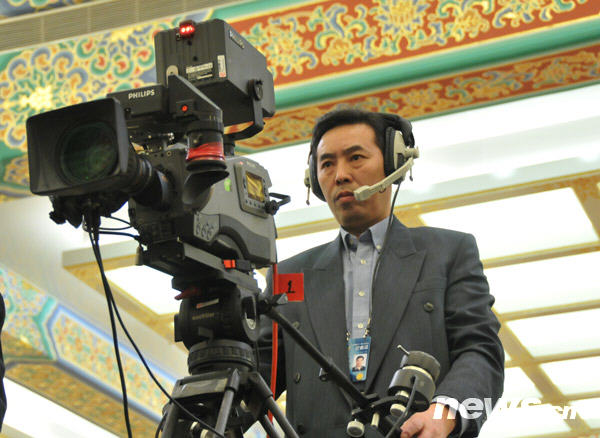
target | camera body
[
  {"x": 199, "y": 192},
  {"x": 233, "y": 224},
  {"x": 218, "y": 60}
]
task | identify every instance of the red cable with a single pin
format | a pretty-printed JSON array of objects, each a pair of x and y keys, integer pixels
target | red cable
[{"x": 275, "y": 289}]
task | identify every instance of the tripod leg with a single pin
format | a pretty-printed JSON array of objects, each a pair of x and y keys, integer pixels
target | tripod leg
[
  {"x": 267, "y": 396},
  {"x": 171, "y": 418},
  {"x": 233, "y": 384},
  {"x": 281, "y": 418},
  {"x": 268, "y": 426},
  {"x": 224, "y": 412}
]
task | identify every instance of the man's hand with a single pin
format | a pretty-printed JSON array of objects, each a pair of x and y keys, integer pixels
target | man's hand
[{"x": 423, "y": 425}]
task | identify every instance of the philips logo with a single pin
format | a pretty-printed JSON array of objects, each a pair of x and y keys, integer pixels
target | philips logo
[{"x": 140, "y": 94}]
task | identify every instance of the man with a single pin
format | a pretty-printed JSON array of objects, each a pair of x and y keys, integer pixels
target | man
[
  {"x": 429, "y": 294},
  {"x": 359, "y": 364}
]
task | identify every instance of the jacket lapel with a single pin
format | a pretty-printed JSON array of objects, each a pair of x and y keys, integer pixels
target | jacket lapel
[
  {"x": 325, "y": 302},
  {"x": 396, "y": 278}
]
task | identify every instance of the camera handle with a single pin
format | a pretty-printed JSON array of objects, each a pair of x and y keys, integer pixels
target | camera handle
[
  {"x": 266, "y": 307},
  {"x": 416, "y": 376},
  {"x": 255, "y": 92}
]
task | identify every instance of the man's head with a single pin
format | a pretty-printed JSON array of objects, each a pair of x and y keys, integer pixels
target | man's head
[
  {"x": 347, "y": 149},
  {"x": 336, "y": 118},
  {"x": 360, "y": 360}
]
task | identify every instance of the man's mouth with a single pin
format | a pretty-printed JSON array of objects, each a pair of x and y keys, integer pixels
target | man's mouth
[{"x": 344, "y": 196}]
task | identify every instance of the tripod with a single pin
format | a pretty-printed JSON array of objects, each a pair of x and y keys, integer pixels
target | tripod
[
  {"x": 217, "y": 322},
  {"x": 234, "y": 390}
]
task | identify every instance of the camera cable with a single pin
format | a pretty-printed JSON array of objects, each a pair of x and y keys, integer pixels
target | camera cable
[
  {"x": 118, "y": 219},
  {"x": 385, "y": 237},
  {"x": 118, "y": 231},
  {"x": 94, "y": 238}
]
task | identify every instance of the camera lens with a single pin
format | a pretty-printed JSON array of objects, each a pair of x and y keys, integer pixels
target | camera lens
[{"x": 88, "y": 152}]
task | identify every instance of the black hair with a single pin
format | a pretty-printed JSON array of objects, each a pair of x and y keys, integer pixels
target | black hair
[
  {"x": 348, "y": 116},
  {"x": 360, "y": 357}
]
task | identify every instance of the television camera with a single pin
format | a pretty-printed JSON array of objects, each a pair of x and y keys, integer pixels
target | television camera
[{"x": 203, "y": 215}]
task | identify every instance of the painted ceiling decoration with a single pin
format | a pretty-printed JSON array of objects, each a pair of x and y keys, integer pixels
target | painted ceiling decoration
[
  {"x": 437, "y": 96},
  {"x": 54, "y": 352},
  {"x": 417, "y": 58},
  {"x": 325, "y": 38}
]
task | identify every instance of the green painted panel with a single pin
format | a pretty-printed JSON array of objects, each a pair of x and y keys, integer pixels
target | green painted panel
[
  {"x": 252, "y": 8},
  {"x": 10, "y": 185},
  {"x": 6, "y": 57},
  {"x": 27, "y": 308},
  {"x": 506, "y": 100}
]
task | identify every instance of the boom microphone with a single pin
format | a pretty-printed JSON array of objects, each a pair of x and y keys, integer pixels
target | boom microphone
[{"x": 365, "y": 192}]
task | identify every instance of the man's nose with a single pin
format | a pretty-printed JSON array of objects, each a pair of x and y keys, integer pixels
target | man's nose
[{"x": 342, "y": 174}]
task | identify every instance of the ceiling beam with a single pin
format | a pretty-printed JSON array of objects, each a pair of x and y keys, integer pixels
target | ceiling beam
[
  {"x": 550, "y": 310},
  {"x": 515, "y": 259},
  {"x": 550, "y": 392},
  {"x": 588, "y": 193},
  {"x": 593, "y": 352}
]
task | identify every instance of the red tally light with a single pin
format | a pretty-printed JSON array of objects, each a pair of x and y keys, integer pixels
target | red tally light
[
  {"x": 186, "y": 29},
  {"x": 184, "y": 108}
]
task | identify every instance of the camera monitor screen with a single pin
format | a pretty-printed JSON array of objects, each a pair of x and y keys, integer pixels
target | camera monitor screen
[{"x": 255, "y": 187}]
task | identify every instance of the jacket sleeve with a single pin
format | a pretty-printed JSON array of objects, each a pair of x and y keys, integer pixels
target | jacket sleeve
[{"x": 475, "y": 351}]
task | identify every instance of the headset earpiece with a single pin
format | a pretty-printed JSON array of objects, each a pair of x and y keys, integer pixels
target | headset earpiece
[
  {"x": 398, "y": 138},
  {"x": 310, "y": 176}
]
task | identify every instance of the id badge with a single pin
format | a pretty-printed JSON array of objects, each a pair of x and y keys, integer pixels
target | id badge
[{"x": 358, "y": 357}]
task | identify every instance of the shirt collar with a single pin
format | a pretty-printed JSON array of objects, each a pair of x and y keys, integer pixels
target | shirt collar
[{"x": 376, "y": 232}]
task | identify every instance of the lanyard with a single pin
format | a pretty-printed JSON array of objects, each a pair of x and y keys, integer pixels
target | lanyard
[{"x": 367, "y": 330}]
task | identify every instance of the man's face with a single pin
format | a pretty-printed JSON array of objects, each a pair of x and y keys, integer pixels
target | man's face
[
  {"x": 348, "y": 158},
  {"x": 359, "y": 361}
]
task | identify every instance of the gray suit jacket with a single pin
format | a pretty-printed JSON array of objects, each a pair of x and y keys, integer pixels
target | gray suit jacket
[{"x": 430, "y": 294}]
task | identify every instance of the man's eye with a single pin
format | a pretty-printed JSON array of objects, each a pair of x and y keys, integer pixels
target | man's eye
[{"x": 355, "y": 157}]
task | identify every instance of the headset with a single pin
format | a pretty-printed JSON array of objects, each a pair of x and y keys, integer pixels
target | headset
[{"x": 399, "y": 153}]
